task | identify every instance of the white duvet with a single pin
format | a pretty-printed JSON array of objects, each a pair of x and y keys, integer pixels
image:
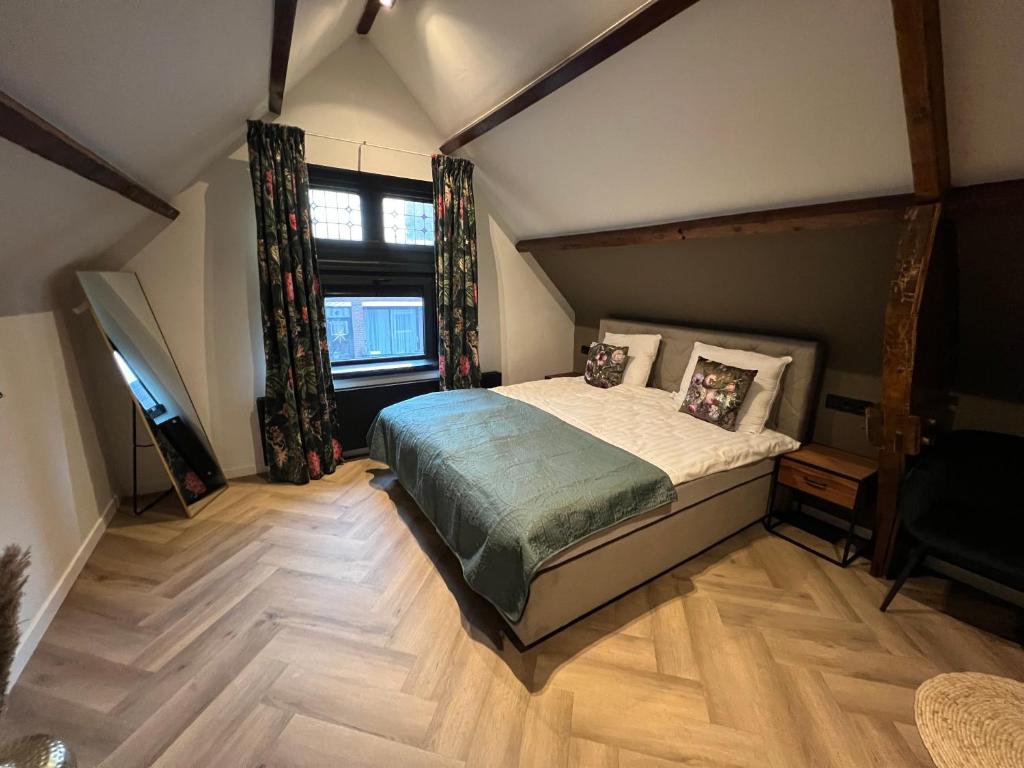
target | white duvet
[{"x": 645, "y": 421}]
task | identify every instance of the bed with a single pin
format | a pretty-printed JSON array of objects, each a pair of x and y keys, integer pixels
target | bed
[{"x": 558, "y": 497}]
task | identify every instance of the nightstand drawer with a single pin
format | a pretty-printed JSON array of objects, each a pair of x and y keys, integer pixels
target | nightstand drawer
[{"x": 824, "y": 485}]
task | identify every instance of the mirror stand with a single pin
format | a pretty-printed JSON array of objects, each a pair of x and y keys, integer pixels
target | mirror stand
[{"x": 135, "y": 468}]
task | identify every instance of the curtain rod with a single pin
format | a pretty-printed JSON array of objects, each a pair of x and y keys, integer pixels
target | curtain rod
[{"x": 367, "y": 144}]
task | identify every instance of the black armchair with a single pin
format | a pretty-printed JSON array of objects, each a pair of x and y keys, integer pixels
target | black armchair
[{"x": 962, "y": 503}]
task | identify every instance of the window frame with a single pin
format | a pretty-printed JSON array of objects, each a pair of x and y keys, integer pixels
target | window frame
[
  {"x": 373, "y": 267},
  {"x": 342, "y": 284}
]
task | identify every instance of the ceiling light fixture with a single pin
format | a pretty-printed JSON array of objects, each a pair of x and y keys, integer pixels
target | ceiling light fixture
[{"x": 387, "y": 3}]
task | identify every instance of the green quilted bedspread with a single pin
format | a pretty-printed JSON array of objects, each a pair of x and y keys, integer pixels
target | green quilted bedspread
[{"x": 508, "y": 485}]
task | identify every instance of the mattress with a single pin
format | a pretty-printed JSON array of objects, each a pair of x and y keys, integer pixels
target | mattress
[
  {"x": 689, "y": 494},
  {"x": 646, "y": 422}
]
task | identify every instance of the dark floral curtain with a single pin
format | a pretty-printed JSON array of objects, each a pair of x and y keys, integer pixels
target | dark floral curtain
[
  {"x": 300, "y": 419},
  {"x": 455, "y": 251}
]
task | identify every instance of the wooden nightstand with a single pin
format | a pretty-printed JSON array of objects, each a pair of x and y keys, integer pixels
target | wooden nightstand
[
  {"x": 834, "y": 479},
  {"x": 562, "y": 375}
]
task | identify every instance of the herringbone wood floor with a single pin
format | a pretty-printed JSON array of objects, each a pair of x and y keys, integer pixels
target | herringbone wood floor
[{"x": 327, "y": 625}]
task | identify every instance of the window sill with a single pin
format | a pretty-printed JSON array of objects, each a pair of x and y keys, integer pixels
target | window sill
[{"x": 382, "y": 374}]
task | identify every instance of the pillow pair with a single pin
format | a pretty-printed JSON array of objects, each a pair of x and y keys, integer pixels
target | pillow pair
[
  {"x": 622, "y": 358},
  {"x": 742, "y": 389}
]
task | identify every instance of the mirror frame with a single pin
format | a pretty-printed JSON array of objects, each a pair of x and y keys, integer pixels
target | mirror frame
[{"x": 139, "y": 413}]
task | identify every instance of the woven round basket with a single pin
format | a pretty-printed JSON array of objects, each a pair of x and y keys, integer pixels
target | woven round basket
[{"x": 969, "y": 720}]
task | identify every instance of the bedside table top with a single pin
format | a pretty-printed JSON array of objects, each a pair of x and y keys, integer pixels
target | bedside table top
[{"x": 830, "y": 459}]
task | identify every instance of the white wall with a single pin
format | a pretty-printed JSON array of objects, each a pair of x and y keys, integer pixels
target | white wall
[
  {"x": 535, "y": 323},
  {"x": 172, "y": 271},
  {"x": 54, "y": 490},
  {"x": 537, "y": 326}
]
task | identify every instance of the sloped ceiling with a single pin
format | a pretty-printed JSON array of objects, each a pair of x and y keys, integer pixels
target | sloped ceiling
[
  {"x": 733, "y": 105},
  {"x": 984, "y": 62},
  {"x": 160, "y": 89},
  {"x": 156, "y": 88},
  {"x": 463, "y": 57},
  {"x": 52, "y": 220}
]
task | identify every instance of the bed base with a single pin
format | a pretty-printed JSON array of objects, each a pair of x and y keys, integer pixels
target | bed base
[{"x": 569, "y": 590}]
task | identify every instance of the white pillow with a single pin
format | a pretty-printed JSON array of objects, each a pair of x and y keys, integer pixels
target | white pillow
[
  {"x": 757, "y": 406},
  {"x": 643, "y": 348}
]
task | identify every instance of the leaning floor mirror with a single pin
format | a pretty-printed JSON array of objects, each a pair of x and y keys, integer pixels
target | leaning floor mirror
[{"x": 161, "y": 401}]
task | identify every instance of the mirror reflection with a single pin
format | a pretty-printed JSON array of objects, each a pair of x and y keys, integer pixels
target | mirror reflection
[{"x": 140, "y": 353}]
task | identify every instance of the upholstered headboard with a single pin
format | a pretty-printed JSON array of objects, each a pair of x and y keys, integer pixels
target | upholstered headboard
[{"x": 794, "y": 410}]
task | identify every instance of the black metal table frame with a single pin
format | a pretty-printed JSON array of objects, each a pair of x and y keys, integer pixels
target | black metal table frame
[{"x": 772, "y": 527}]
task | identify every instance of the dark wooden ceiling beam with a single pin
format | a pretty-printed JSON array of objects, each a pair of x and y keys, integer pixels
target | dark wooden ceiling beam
[
  {"x": 846, "y": 213},
  {"x": 25, "y": 128},
  {"x": 370, "y": 11},
  {"x": 284, "y": 25},
  {"x": 627, "y": 31},
  {"x": 919, "y": 43}
]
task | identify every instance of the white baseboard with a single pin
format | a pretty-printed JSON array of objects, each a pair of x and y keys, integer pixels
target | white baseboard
[
  {"x": 246, "y": 471},
  {"x": 41, "y": 621}
]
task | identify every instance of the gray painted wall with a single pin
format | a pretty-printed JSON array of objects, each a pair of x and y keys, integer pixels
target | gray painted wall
[
  {"x": 991, "y": 348},
  {"x": 827, "y": 285}
]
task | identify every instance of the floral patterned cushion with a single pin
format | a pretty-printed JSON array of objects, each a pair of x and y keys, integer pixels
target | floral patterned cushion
[
  {"x": 605, "y": 365},
  {"x": 716, "y": 392}
]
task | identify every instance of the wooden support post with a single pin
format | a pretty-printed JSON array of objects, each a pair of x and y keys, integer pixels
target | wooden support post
[{"x": 891, "y": 425}]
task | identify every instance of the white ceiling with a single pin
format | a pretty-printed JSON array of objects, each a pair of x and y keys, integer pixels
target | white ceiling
[
  {"x": 52, "y": 219},
  {"x": 732, "y": 105},
  {"x": 461, "y": 58},
  {"x": 157, "y": 88},
  {"x": 983, "y": 50}
]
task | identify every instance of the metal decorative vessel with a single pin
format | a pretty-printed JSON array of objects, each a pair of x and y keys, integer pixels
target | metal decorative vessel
[{"x": 37, "y": 751}]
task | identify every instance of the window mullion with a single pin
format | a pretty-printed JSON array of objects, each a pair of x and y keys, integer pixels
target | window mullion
[{"x": 372, "y": 211}]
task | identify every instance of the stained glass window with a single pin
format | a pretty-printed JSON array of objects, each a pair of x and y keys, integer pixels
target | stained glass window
[
  {"x": 408, "y": 222},
  {"x": 335, "y": 215},
  {"x": 375, "y": 233}
]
